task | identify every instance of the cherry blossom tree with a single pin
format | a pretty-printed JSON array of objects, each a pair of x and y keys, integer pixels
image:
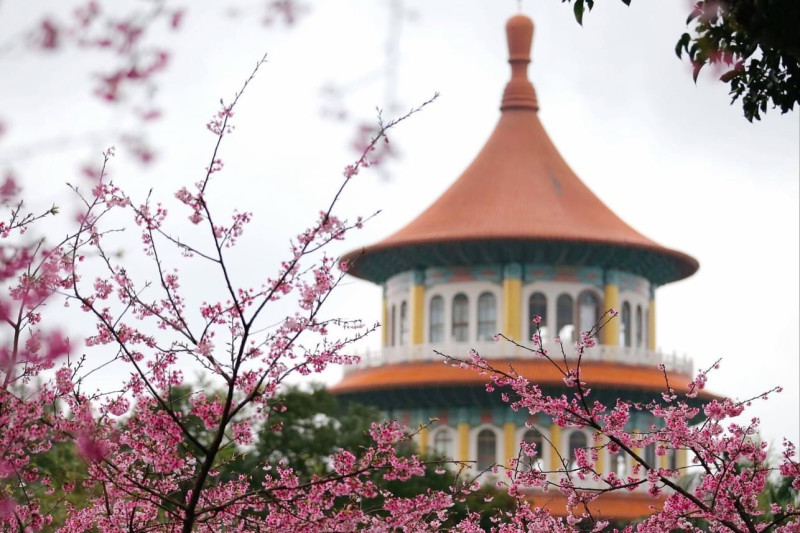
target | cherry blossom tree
[
  {"x": 145, "y": 466},
  {"x": 730, "y": 464}
]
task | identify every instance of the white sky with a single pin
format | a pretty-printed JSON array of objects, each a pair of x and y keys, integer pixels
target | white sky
[{"x": 674, "y": 160}]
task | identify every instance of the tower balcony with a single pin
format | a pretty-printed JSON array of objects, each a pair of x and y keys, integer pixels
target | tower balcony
[{"x": 503, "y": 350}]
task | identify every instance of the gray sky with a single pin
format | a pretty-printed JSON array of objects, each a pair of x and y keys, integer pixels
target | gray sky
[{"x": 672, "y": 158}]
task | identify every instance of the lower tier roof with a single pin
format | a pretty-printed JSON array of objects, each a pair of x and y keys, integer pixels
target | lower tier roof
[{"x": 433, "y": 384}]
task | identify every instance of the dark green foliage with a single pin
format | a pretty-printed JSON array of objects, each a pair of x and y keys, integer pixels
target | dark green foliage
[
  {"x": 66, "y": 471},
  {"x": 756, "y": 42},
  {"x": 779, "y": 492},
  {"x": 314, "y": 425},
  {"x": 579, "y": 7},
  {"x": 487, "y": 501}
]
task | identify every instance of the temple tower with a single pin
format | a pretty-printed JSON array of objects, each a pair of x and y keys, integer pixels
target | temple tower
[{"x": 516, "y": 235}]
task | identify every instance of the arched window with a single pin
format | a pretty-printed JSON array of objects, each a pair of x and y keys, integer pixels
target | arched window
[
  {"x": 639, "y": 326},
  {"x": 564, "y": 318},
  {"x": 625, "y": 325},
  {"x": 487, "y": 449},
  {"x": 672, "y": 459},
  {"x": 487, "y": 316},
  {"x": 650, "y": 455},
  {"x": 619, "y": 464},
  {"x": 532, "y": 436},
  {"x": 436, "y": 320},
  {"x": 443, "y": 443},
  {"x": 392, "y": 326},
  {"x": 460, "y": 318},
  {"x": 537, "y": 306},
  {"x": 577, "y": 441},
  {"x": 647, "y": 329},
  {"x": 404, "y": 323},
  {"x": 588, "y": 310}
]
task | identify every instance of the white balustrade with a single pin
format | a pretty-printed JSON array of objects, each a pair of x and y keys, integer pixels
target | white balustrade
[{"x": 505, "y": 350}]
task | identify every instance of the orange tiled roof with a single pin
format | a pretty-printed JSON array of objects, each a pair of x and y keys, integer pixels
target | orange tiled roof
[
  {"x": 612, "y": 505},
  {"x": 519, "y": 188},
  {"x": 434, "y": 373}
]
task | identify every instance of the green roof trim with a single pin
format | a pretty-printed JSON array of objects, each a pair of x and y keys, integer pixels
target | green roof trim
[
  {"x": 465, "y": 398},
  {"x": 659, "y": 266}
]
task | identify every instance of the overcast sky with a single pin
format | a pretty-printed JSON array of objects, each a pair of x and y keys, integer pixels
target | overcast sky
[{"x": 672, "y": 158}]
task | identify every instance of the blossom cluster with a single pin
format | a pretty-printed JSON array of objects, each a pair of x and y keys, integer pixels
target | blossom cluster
[
  {"x": 730, "y": 466},
  {"x": 154, "y": 459}
]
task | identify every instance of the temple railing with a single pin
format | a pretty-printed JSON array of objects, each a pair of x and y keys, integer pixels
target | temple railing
[{"x": 626, "y": 355}]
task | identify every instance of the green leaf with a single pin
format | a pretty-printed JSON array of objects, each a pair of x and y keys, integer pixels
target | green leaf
[
  {"x": 728, "y": 76},
  {"x": 682, "y": 44},
  {"x": 577, "y": 8}
]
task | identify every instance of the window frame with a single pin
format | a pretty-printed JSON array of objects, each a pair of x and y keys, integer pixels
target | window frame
[
  {"x": 440, "y": 325},
  {"x": 571, "y": 461},
  {"x": 477, "y": 441},
  {"x": 461, "y": 325},
  {"x": 598, "y": 302},
  {"x": 393, "y": 326},
  {"x": 450, "y": 442},
  {"x": 404, "y": 323},
  {"x": 625, "y": 325},
  {"x": 559, "y": 316},
  {"x": 543, "y": 449},
  {"x": 531, "y": 313},
  {"x": 639, "y": 321},
  {"x": 486, "y": 329}
]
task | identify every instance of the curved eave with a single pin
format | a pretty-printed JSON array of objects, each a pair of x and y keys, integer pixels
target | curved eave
[
  {"x": 519, "y": 198},
  {"x": 660, "y": 265},
  {"x": 428, "y": 374}
]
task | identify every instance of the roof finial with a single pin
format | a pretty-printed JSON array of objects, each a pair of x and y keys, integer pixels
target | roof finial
[{"x": 519, "y": 93}]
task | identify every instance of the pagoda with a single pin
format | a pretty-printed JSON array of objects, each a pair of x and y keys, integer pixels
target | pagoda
[{"x": 517, "y": 235}]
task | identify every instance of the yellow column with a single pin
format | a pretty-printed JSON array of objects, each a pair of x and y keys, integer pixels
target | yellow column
[
  {"x": 601, "y": 455},
  {"x": 423, "y": 440},
  {"x": 610, "y": 333},
  {"x": 662, "y": 460},
  {"x": 385, "y": 322},
  {"x": 512, "y": 301},
  {"x": 417, "y": 308},
  {"x": 509, "y": 442},
  {"x": 651, "y": 322},
  {"x": 681, "y": 461},
  {"x": 555, "y": 438},
  {"x": 463, "y": 441}
]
